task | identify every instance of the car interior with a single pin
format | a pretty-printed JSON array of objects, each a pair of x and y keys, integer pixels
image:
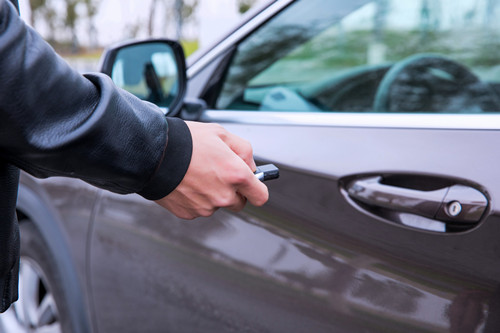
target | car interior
[{"x": 332, "y": 64}]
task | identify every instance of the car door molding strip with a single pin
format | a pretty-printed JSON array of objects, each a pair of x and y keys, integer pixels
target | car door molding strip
[{"x": 485, "y": 121}]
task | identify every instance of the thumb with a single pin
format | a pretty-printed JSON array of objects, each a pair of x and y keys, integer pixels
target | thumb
[{"x": 254, "y": 190}]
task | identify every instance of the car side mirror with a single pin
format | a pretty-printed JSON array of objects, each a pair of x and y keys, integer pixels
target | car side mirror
[{"x": 153, "y": 70}]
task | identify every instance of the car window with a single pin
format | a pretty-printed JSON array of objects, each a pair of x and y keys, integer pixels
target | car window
[{"x": 370, "y": 56}]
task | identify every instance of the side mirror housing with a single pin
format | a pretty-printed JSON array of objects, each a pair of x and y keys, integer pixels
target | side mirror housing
[{"x": 153, "y": 70}]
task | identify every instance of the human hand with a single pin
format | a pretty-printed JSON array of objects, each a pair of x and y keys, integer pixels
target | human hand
[{"x": 220, "y": 175}]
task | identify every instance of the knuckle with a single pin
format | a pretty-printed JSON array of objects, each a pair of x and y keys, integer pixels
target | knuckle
[
  {"x": 236, "y": 173},
  {"x": 247, "y": 150},
  {"x": 237, "y": 207},
  {"x": 225, "y": 200},
  {"x": 207, "y": 212},
  {"x": 239, "y": 178}
]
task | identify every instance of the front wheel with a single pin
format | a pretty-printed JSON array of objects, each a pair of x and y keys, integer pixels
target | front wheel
[{"x": 39, "y": 308}]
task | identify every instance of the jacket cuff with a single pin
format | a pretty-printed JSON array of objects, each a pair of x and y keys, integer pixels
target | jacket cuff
[{"x": 175, "y": 163}]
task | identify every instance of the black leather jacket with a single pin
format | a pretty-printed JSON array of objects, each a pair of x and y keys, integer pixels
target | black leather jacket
[{"x": 56, "y": 122}]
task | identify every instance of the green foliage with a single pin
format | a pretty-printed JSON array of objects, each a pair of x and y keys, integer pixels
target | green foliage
[
  {"x": 91, "y": 7},
  {"x": 245, "y": 5},
  {"x": 71, "y": 15},
  {"x": 188, "y": 8},
  {"x": 189, "y": 46},
  {"x": 37, "y": 4},
  {"x": 38, "y": 7},
  {"x": 472, "y": 48}
]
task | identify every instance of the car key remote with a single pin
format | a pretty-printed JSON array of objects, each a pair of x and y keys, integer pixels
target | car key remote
[{"x": 267, "y": 172}]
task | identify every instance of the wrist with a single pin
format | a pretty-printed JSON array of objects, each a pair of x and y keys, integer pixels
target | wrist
[{"x": 175, "y": 161}]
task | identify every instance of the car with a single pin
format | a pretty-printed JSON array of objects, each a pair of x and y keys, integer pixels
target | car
[{"x": 382, "y": 116}]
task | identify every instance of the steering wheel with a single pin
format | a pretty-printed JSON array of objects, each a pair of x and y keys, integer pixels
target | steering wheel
[{"x": 433, "y": 83}]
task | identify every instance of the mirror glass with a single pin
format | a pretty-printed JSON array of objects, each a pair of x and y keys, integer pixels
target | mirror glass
[{"x": 149, "y": 71}]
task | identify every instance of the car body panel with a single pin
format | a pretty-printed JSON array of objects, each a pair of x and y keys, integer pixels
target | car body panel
[{"x": 308, "y": 260}]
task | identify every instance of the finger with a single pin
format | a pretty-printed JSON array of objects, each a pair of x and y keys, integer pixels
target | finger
[
  {"x": 183, "y": 208},
  {"x": 254, "y": 190},
  {"x": 187, "y": 213},
  {"x": 240, "y": 147},
  {"x": 206, "y": 212},
  {"x": 239, "y": 203}
]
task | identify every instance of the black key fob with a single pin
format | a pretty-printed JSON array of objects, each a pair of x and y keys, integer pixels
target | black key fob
[{"x": 267, "y": 172}]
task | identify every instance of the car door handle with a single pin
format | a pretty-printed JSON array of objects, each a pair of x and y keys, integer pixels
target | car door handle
[{"x": 455, "y": 203}]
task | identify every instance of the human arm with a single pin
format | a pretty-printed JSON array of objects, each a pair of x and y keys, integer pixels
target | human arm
[{"x": 57, "y": 122}]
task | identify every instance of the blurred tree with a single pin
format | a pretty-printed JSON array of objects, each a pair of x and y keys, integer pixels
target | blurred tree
[
  {"x": 43, "y": 9},
  {"x": 70, "y": 22},
  {"x": 491, "y": 6},
  {"x": 132, "y": 30},
  {"x": 92, "y": 7},
  {"x": 152, "y": 11},
  {"x": 50, "y": 17},
  {"x": 245, "y": 5},
  {"x": 179, "y": 20},
  {"x": 36, "y": 6},
  {"x": 379, "y": 19},
  {"x": 425, "y": 21},
  {"x": 184, "y": 11},
  {"x": 179, "y": 11}
]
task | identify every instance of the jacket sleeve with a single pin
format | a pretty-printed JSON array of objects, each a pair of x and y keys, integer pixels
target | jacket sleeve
[{"x": 56, "y": 122}]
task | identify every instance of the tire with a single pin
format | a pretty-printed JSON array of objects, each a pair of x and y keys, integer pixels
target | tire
[{"x": 41, "y": 306}]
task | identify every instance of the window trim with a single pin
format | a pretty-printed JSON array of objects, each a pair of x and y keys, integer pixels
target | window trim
[{"x": 484, "y": 121}]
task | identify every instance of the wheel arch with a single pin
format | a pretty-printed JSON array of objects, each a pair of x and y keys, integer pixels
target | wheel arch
[{"x": 32, "y": 207}]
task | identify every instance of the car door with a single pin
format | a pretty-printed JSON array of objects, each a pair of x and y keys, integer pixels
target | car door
[{"x": 385, "y": 217}]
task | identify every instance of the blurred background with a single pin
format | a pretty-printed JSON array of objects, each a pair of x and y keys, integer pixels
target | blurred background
[{"x": 80, "y": 29}]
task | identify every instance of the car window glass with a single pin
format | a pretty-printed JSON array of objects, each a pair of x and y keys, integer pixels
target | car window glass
[{"x": 370, "y": 56}]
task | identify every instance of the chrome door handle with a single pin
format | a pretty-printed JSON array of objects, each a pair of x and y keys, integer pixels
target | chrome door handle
[{"x": 456, "y": 203}]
